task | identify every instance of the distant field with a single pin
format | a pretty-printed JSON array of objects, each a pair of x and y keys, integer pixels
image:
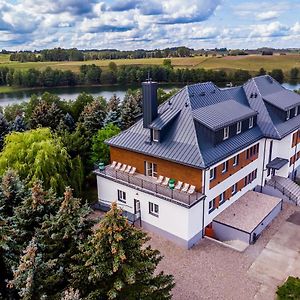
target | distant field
[{"x": 251, "y": 62}]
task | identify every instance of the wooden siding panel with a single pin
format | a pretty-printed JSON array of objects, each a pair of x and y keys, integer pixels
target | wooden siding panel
[
  {"x": 243, "y": 161},
  {"x": 165, "y": 168}
]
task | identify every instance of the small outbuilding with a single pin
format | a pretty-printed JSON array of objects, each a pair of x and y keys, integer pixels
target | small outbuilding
[{"x": 246, "y": 218}]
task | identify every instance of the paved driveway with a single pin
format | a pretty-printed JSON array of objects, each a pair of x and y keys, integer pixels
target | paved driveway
[
  {"x": 211, "y": 271},
  {"x": 279, "y": 259}
]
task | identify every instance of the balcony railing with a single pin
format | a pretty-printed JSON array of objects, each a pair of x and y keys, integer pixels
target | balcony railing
[{"x": 148, "y": 184}]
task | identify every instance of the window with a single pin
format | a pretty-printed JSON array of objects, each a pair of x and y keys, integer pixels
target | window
[
  {"x": 224, "y": 167},
  {"x": 211, "y": 205},
  {"x": 296, "y": 111},
  {"x": 288, "y": 114},
  {"x": 155, "y": 135},
  {"x": 234, "y": 189},
  {"x": 151, "y": 169},
  {"x": 222, "y": 198},
  {"x": 236, "y": 160},
  {"x": 226, "y": 133},
  {"x": 238, "y": 127},
  {"x": 153, "y": 209},
  {"x": 121, "y": 196},
  {"x": 251, "y": 122},
  {"x": 212, "y": 174}
]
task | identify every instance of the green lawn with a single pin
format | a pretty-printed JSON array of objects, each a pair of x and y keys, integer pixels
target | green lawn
[{"x": 251, "y": 62}]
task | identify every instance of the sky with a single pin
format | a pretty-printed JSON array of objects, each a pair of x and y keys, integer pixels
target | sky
[{"x": 149, "y": 24}]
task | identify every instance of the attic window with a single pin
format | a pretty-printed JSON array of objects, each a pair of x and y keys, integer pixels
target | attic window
[
  {"x": 296, "y": 111},
  {"x": 226, "y": 133},
  {"x": 238, "y": 127},
  {"x": 155, "y": 135},
  {"x": 288, "y": 114},
  {"x": 251, "y": 122}
]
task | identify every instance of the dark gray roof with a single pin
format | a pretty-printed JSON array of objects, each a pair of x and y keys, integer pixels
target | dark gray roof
[
  {"x": 219, "y": 115},
  {"x": 277, "y": 163},
  {"x": 165, "y": 118},
  {"x": 284, "y": 99},
  {"x": 270, "y": 124},
  {"x": 205, "y": 103}
]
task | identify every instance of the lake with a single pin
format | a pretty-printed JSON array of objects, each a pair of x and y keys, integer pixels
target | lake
[{"x": 71, "y": 93}]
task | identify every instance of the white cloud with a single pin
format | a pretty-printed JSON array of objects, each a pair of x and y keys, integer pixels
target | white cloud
[{"x": 268, "y": 15}]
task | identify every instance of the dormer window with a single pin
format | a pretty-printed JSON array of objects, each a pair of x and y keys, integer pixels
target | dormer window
[
  {"x": 226, "y": 133},
  {"x": 251, "y": 122},
  {"x": 288, "y": 114},
  {"x": 238, "y": 127},
  {"x": 296, "y": 111},
  {"x": 155, "y": 135}
]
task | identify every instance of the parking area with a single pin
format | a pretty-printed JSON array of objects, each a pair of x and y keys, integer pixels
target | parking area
[{"x": 212, "y": 271}]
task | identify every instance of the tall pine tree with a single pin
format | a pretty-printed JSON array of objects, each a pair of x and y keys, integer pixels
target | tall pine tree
[{"x": 115, "y": 263}]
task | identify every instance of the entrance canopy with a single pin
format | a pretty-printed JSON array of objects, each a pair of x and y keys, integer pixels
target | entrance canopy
[{"x": 277, "y": 163}]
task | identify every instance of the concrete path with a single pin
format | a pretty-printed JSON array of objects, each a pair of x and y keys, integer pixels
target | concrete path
[{"x": 279, "y": 259}]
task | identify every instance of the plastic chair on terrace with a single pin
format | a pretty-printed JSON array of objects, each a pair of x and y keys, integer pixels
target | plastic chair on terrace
[
  {"x": 123, "y": 168},
  {"x": 178, "y": 185},
  {"x": 185, "y": 187},
  {"x": 160, "y": 179},
  {"x": 166, "y": 181},
  {"x": 132, "y": 172},
  {"x": 128, "y": 169},
  {"x": 191, "y": 190},
  {"x": 118, "y": 166}
]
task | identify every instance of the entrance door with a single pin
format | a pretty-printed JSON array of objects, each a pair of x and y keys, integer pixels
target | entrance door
[{"x": 137, "y": 208}]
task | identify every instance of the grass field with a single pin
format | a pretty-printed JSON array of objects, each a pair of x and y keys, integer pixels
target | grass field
[{"x": 251, "y": 62}]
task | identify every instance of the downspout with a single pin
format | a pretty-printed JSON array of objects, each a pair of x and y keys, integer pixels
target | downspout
[
  {"x": 203, "y": 230},
  {"x": 296, "y": 148},
  {"x": 263, "y": 168}
]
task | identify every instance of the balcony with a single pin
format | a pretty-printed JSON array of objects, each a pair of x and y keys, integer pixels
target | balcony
[{"x": 148, "y": 185}]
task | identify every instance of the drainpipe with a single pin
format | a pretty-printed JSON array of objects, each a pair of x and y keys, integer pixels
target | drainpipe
[
  {"x": 203, "y": 221},
  {"x": 263, "y": 167},
  {"x": 296, "y": 148}
]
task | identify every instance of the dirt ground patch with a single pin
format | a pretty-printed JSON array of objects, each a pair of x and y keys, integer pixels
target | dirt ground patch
[{"x": 211, "y": 271}]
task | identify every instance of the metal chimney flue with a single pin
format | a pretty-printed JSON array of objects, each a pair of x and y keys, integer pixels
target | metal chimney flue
[{"x": 149, "y": 102}]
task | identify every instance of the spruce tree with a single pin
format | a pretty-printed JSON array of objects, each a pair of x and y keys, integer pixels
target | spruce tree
[
  {"x": 115, "y": 263},
  {"x": 4, "y": 130},
  {"x": 51, "y": 250},
  {"x": 19, "y": 124},
  {"x": 114, "y": 111},
  {"x": 130, "y": 110}
]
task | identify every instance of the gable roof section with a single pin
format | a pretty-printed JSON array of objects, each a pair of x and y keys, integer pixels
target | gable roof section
[
  {"x": 269, "y": 90},
  {"x": 222, "y": 114},
  {"x": 180, "y": 145}
]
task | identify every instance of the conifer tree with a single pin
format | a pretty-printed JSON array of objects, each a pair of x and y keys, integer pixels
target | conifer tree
[
  {"x": 130, "y": 110},
  {"x": 19, "y": 124},
  {"x": 4, "y": 129},
  {"x": 114, "y": 111},
  {"x": 51, "y": 250},
  {"x": 115, "y": 263}
]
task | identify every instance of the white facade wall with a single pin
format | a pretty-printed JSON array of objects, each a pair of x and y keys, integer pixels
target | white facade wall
[
  {"x": 177, "y": 222},
  {"x": 230, "y": 181}
]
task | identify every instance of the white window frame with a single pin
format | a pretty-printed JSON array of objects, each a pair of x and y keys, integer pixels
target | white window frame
[
  {"x": 288, "y": 114},
  {"x": 238, "y": 127},
  {"x": 122, "y": 196},
  {"x": 225, "y": 164},
  {"x": 211, "y": 205},
  {"x": 234, "y": 189},
  {"x": 251, "y": 122},
  {"x": 225, "y": 133},
  {"x": 296, "y": 111},
  {"x": 155, "y": 135},
  {"x": 235, "y": 161},
  {"x": 212, "y": 171},
  {"x": 222, "y": 198},
  {"x": 153, "y": 209},
  {"x": 151, "y": 169}
]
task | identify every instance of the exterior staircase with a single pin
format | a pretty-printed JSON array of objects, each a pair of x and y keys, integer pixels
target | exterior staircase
[{"x": 287, "y": 187}]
